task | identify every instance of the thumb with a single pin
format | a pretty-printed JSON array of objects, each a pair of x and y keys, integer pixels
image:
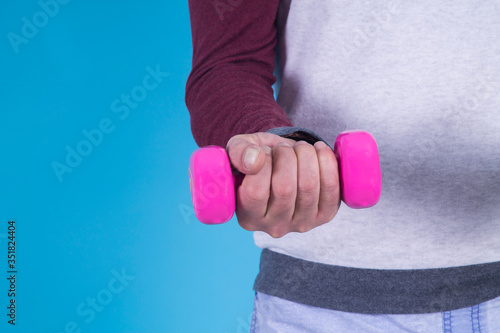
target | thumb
[{"x": 245, "y": 154}]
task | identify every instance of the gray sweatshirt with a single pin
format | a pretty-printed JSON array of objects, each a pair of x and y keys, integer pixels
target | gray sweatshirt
[{"x": 424, "y": 78}]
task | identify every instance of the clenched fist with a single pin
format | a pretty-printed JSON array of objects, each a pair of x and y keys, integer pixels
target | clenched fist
[{"x": 288, "y": 186}]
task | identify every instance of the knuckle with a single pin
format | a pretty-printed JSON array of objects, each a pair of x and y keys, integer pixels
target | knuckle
[
  {"x": 326, "y": 155},
  {"x": 327, "y": 216},
  {"x": 303, "y": 145},
  {"x": 331, "y": 186},
  {"x": 302, "y": 228},
  {"x": 326, "y": 152},
  {"x": 276, "y": 230},
  {"x": 308, "y": 185},
  {"x": 256, "y": 193},
  {"x": 276, "y": 233},
  {"x": 305, "y": 150},
  {"x": 247, "y": 225},
  {"x": 331, "y": 197},
  {"x": 282, "y": 145},
  {"x": 284, "y": 191},
  {"x": 307, "y": 203}
]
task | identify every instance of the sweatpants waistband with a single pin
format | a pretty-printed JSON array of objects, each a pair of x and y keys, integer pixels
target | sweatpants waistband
[{"x": 374, "y": 291}]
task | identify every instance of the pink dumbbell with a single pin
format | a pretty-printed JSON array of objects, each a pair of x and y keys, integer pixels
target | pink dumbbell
[{"x": 213, "y": 184}]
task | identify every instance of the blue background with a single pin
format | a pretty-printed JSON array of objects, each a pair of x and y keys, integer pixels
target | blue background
[{"x": 126, "y": 207}]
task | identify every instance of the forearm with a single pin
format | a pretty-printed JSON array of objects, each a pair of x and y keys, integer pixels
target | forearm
[{"x": 229, "y": 90}]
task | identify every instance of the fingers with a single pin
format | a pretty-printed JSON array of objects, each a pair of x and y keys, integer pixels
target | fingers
[
  {"x": 308, "y": 187},
  {"x": 295, "y": 190},
  {"x": 329, "y": 196},
  {"x": 253, "y": 195},
  {"x": 245, "y": 154},
  {"x": 245, "y": 151},
  {"x": 283, "y": 189}
]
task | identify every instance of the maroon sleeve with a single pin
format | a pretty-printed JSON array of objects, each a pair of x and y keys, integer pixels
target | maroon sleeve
[{"x": 229, "y": 90}]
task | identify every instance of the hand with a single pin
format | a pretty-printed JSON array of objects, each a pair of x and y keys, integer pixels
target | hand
[{"x": 289, "y": 186}]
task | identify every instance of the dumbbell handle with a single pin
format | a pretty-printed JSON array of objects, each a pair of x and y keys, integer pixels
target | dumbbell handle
[{"x": 213, "y": 184}]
